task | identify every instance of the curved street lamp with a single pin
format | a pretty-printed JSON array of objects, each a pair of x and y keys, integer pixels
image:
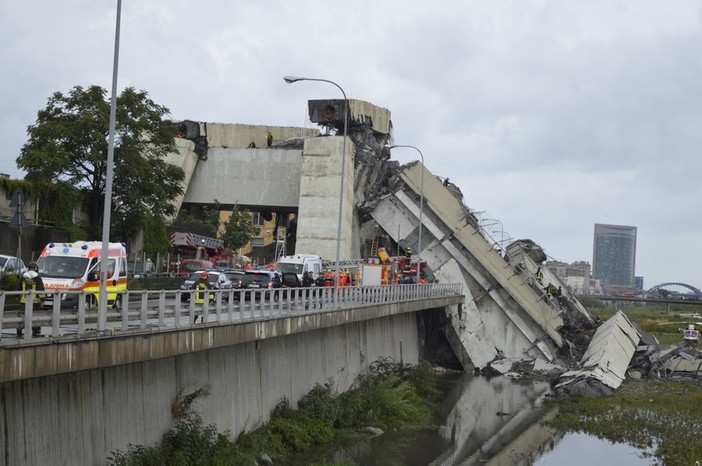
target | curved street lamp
[
  {"x": 293, "y": 79},
  {"x": 421, "y": 206}
]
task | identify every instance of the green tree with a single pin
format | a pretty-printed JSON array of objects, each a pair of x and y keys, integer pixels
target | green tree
[
  {"x": 239, "y": 229},
  {"x": 69, "y": 142},
  {"x": 207, "y": 219}
]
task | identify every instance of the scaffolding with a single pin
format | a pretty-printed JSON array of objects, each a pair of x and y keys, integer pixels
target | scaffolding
[{"x": 280, "y": 243}]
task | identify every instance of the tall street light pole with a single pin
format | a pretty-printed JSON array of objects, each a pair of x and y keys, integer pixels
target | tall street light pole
[
  {"x": 107, "y": 209},
  {"x": 421, "y": 207},
  {"x": 293, "y": 79}
]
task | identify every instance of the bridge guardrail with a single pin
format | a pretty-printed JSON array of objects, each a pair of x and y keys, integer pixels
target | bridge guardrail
[{"x": 173, "y": 309}]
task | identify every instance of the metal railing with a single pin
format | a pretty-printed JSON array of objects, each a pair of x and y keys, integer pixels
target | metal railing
[{"x": 176, "y": 309}]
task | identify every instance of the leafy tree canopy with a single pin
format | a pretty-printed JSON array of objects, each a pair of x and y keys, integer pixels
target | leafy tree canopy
[
  {"x": 69, "y": 142},
  {"x": 239, "y": 229}
]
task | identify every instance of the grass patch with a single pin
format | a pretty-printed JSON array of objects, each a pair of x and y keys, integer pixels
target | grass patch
[
  {"x": 656, "y": 321},
  {"x": 391, "y": 395}
]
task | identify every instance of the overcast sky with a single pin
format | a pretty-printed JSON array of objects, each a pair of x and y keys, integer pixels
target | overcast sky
[{"x": 550, "y": 116}]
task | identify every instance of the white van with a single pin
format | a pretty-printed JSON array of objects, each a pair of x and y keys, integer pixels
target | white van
[{"x": 300, "y": 264}]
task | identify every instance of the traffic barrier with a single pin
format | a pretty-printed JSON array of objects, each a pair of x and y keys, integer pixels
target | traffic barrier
[{"x": 164, "y": 310}]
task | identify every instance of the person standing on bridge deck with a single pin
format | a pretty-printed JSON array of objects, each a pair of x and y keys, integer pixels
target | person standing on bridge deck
[
  {"x": 202, "y": 286},
  {"x": 328, "y": 278},
  {"x": 31, "y": 281},
  {"x": 269, "y": 139},
  {"x": 308, "y": 282},
  {"x": 539, "y": 275},
  {"x": 307, "y": 279}
]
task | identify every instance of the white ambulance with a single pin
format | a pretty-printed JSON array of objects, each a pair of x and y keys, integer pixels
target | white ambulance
[{"x": 76, "y": 267}]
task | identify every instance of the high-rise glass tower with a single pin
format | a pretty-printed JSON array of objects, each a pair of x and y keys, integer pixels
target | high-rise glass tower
[{"x": 614, "y": 254}]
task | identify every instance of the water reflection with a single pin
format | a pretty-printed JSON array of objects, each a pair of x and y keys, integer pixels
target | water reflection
[
  {"x": 578, "y": 449},
  {"x": 495, "y": 420},
  {"x": 489, "y": 422}
]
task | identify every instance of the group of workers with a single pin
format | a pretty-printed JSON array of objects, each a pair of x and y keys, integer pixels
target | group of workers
[
  {"x": 269, "y": 141},
  {"x": 326, "y": 279}
]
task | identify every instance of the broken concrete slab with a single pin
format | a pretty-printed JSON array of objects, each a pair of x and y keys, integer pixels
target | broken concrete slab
[{"x": 606, "y": 359}]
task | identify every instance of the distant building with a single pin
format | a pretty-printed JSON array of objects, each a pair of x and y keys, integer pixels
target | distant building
[
  {"x": 639, "y": 283},
  {"x": 576, "y": 276},
  {"x": 563, "y": 270},
  {"x": 583, "y": 285},
  {"x": 614, "y": 255}
]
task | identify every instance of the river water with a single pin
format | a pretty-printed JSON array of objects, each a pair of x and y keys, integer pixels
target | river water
[{"x": 489, "y": 422}]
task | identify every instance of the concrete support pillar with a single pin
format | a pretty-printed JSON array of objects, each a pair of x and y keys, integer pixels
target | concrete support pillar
[{"x": 320, "y": 183}]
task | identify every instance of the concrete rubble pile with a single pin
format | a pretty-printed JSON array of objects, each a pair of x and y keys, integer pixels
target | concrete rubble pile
[{"x": 683, "y": 359}]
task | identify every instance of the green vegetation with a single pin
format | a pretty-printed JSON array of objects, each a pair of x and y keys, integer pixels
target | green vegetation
[
  {"x": 663, "y": 415},
  {"x": 391, "y": 395}
]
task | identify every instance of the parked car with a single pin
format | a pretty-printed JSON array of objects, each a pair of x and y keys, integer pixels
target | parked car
[
  {"x": 256, "y": 280},
  {"x": 234, "y": 275},
  {"x": 11, "y": 265},
  {"x": 218, "y": 281}
]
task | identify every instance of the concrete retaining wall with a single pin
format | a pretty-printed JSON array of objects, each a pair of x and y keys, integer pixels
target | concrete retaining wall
[{"x": 79, "y": 418}]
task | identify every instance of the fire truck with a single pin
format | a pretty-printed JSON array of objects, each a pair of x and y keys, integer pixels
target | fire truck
[
  {"x": 191, "y": 252},
  {"x": 381, "y": 270}
]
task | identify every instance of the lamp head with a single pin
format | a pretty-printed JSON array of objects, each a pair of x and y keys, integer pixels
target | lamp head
[{"x": 292, "y": 79}]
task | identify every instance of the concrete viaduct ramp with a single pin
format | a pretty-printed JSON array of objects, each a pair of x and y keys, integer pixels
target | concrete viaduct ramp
[{"x": 507, "y": 314}]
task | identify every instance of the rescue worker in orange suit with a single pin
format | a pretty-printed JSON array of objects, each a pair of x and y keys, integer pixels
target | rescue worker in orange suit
[
  {"x": 31, "y": 281},
  {"x": 342, "y": 278},
  {"x": 328, "y": 278}
]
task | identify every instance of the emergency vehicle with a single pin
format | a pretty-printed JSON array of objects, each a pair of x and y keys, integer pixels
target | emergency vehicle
[
  {"x": 76, "y": 267},
  {"x": 380, "y": 270},
  {"x": 190, "y": 251}
]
